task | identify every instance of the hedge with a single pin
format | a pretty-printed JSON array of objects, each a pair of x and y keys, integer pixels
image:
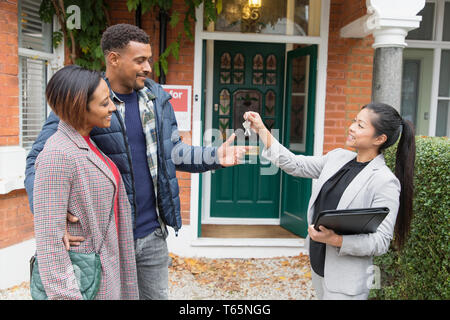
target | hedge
[{"x": 421, "y": 269}]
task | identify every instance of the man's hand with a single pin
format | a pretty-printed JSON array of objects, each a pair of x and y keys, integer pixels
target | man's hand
[
  {"x": 69, "y": 240},
  {"x": 231, "y": 155}
]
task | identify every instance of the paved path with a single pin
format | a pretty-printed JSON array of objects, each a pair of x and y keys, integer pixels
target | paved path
[{"x": 284, "y": 278}]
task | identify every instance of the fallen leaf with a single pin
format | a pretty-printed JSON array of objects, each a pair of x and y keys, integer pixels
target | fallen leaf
[{"x": 285, "y": 263}]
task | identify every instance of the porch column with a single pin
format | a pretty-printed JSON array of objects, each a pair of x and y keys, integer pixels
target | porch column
[
  {"x": 389, "y": 22},
  {"x": 387, "y": 76}
]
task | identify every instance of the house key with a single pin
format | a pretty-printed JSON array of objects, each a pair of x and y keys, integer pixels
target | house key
[{"x": 246, "y": 126}]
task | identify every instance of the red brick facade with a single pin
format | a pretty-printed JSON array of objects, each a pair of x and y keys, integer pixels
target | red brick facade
[
  {"x": 349, "y": 80},
  {"x": 16, "y": 221},
  {"x": 9, "y": 70},
  {"x": 349, "y": 73}
]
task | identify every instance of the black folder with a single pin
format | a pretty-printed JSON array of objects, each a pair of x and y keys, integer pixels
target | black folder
[{"x": 351, "y": 221}]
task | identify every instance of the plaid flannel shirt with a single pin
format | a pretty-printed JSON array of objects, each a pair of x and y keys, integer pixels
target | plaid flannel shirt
[{"x": 147, "y": 115}]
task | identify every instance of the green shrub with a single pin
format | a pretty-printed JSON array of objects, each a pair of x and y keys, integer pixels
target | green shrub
[{"x": 421, "y": 269}]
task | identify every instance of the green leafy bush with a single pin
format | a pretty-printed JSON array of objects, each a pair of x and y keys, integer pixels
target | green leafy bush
[
  {"x": 83, "y": 42},
  {"x": 421, "y": 269}
]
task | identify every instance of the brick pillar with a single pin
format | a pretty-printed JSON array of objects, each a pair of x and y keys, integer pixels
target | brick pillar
[
  {"x": 9, "y": 70},
  {"x": 181, "y": 72},
  {"x": 16, "y": 221},
  {"x": 349, "y": 73}
]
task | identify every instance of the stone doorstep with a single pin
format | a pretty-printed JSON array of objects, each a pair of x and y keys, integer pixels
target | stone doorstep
[{"x": 248, "y": 242}]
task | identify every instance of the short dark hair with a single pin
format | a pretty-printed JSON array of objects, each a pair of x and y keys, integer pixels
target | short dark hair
[
  {"x": 69, "y": 92},
  {"x": 119, "y": 35}
]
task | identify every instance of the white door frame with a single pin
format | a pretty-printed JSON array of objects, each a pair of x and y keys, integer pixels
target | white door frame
[{"x": 197, "y": 132}]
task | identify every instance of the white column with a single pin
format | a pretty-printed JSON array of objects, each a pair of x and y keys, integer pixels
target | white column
[{"x": 389, "y": 21}]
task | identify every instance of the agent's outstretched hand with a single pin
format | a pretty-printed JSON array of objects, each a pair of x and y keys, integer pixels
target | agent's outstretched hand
[{"x": 256, "y": 123}]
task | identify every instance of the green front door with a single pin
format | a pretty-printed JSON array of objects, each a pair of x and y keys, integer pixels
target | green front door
[
  {"x": 299, "y": 135},
  {"x": 247, "y": 76}
]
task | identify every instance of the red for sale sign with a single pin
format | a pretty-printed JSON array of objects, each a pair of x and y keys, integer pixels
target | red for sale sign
[{"x": 181, "y": 103}]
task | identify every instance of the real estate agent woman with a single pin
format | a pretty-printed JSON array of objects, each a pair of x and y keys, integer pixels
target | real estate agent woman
[
  {"x": 345, "y": 179},
  {"x": 72, "y": 175}
]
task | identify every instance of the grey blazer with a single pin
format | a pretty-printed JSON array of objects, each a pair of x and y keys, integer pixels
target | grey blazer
[{"x": 348, "y": 269}]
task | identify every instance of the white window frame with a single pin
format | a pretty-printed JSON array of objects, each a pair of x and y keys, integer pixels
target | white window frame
[
  {"x": 55, "y": 62},
  {"x": 437, "y": 45},
  {"x": 13, "y": 158}
]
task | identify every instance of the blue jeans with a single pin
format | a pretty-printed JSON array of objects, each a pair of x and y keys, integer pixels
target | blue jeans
[{"x": 152, "y": 263}]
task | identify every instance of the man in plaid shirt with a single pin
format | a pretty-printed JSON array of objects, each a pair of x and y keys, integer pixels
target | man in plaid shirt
[{"x": 144, "y": 143}]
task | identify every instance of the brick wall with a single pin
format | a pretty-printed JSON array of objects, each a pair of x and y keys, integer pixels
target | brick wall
[
  {"x": 16, "y": 220},
  {"x": 9, "y": 70},
  {"x": 180, "y": 72},
  {"x": 349, "y": 74},
  {"x": 353, "y": 9}
]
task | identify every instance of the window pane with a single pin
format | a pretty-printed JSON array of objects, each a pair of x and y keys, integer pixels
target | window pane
[
  {"x": 269, "y": 111},
  {"x": 33, "y": 33},
  {"x": 243, "y": 101},
  {"x": 444, "y": 74},
  {"x": 298, "y": 123},
  {"x": 33, "y": 79},
  {"x": 425, "y": 31},
  {"x": 446, "y": 33},
  {"x": 442, "y": 118},
  {"x": 269, "y": 17},
  {"x": 299, "y": 104},
  {"x": 410, "y": 89},
  {"x": 224, "y": 107}
]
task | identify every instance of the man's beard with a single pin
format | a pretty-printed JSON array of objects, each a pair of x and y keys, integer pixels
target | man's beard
[{"x": 138, "y": 86}]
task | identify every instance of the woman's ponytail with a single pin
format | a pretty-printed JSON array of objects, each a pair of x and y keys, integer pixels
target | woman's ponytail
[
  {"x": 404, "y": 170},
  {"x": 389, "y": 122}
]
